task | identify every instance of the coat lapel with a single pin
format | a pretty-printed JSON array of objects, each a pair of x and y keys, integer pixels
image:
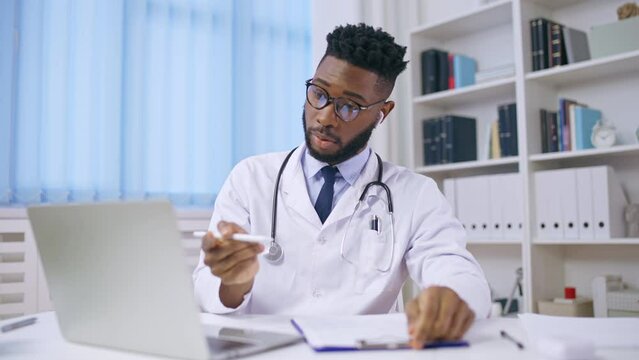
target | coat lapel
[{"x": 294, "y": 192}]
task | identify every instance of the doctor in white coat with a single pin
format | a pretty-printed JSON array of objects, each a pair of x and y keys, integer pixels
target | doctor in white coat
[{"x": 336, "y": 260}]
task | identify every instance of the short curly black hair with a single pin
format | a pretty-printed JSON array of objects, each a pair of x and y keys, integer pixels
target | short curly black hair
[{"x": 369, "y": 48}]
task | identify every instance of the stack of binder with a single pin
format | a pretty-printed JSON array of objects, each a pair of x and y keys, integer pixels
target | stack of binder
[
  {"x": 579, "y": 203},
  {"x": 489, "y": 207}
]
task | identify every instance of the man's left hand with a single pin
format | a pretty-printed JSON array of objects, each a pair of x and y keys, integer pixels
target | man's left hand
[{"x": 438, "y": 313}]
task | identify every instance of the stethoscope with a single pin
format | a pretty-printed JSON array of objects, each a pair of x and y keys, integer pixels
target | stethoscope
[{"x": 275, "y": 253}]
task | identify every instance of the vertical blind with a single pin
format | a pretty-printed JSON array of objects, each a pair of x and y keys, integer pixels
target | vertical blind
[{"x": 136, "y": 99}]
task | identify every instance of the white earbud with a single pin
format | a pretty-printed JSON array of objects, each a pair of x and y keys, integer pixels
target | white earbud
[{"x": 380, "y": 117}]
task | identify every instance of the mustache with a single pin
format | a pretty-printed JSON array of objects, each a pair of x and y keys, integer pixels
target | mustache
[{"x": 325, "y": 133}]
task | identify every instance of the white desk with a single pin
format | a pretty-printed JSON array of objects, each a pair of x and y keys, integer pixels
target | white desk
[{"x": 43, "y": 341}]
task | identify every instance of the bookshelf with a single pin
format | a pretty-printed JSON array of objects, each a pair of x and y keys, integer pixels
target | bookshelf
[{"x": 496, "y": 34}]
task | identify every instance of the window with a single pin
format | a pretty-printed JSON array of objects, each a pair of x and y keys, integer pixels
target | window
[{"x": 106, "y": 99}]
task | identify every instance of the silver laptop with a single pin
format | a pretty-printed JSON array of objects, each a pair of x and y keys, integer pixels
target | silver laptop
[{"x": 118, "y": 278}]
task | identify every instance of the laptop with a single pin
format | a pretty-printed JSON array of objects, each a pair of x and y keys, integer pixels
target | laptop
[{"x": 118, "y": 278}]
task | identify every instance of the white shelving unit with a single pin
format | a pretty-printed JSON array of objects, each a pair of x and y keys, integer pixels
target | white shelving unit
[{"x": 498, "y": 33}]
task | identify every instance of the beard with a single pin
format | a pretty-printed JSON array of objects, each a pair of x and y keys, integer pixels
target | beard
[{"x": 345, "y": 152}]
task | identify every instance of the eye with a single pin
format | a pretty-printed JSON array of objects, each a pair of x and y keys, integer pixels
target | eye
[
  {"x": 347, "y": 110},
  {"x": 318, "y": 95}
]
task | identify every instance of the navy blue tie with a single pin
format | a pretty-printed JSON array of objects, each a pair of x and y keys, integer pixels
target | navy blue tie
[{"x": 324, "y": 203}]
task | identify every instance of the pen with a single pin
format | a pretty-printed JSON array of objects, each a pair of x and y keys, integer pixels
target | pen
[
  {"x": 265, "y": 240},
  {"x": 19, "y": 324},
  {"x": 507, "y": 336}
]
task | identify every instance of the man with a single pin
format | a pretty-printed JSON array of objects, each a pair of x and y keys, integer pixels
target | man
[{"x": 337, "y": 261}]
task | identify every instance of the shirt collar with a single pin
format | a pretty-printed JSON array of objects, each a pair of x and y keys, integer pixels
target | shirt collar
[{"x": 349, "y": 169}]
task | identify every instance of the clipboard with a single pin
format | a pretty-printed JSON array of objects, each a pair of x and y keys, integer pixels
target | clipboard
[{"x": 362, "y": 332}]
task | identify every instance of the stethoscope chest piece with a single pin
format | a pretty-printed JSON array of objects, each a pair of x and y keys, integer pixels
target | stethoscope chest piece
[{"x": 274, "y": 255}]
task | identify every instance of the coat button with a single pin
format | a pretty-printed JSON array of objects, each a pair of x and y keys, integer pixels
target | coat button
[
  {"x": 317, "y": 293},
  {"x": 321, "y": 240}
]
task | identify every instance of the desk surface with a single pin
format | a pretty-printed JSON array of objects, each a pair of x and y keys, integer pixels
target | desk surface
[{"x": 44, "y": 341}]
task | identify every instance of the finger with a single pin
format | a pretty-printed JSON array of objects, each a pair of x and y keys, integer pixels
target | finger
[
  {"x": 412, "y": 311},
  {"x": 209, "y": 242},
  {"x": 463, "y": 323},
  {"x": 227, "y": 229},
  {"x": 232, "y": 274},
  {"x": 449, "y": 306},
  {"x": 428, "y": 308},
  {"x": 233, "y": 259},
  {"x": 225, "y": 249}
]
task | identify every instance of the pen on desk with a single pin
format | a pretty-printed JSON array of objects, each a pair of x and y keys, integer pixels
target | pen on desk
[
  {"x": 507, "y": 336},
  {"x": 19, "y": 324}
]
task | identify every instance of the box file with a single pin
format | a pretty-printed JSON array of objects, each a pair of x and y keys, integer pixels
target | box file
[
  {"x": 548, "y": 205},
  {"x": 581, "y": 203},
  {"x": 584, "y": 203},
  {"x": 513, "y": 211},
  {"x": 497, "y": 206},
  {"x": 567, "y": 186},
  {"x": 608, "y": 203}
]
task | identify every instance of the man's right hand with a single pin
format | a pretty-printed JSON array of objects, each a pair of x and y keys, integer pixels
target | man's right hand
[{"x": 234, "y": 262}]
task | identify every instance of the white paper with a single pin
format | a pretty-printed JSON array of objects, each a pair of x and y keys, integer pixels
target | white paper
[
  {"x": 347, "y": 331},
  {"x": 602, "y": 332}
]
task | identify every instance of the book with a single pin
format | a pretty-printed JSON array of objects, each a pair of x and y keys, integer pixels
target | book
[
  {"x": 534, "y": 44},
  {"x": 442, "y": 69},
  {"x": 558, "y": 51},
  {"x": 585, "y": 121},
  {"x": 459, "y": 139},
  {"x": 451, "y": 72},
  {"x": 495, "y": 141},
  {"x": 507, "y": 115},
  {"x": 464, "y": 69},
  {"x": 429, "y": 60},
  {"x": 544, "y": 130},
  {"x": 576, "y": 44}
]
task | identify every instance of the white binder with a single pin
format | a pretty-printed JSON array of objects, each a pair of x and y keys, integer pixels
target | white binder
[
  {"x": 513, "y": 213},
  {"x": 548, "y": 206},
  {"x": 481, "y": 206},
  {"x": 608, "y": 203},
  {"x": 584, "y": 203},
  {"x": 497, "y": 206},
  {"x": 449, "y": 194},
  {"x": 463, "y": 200},
  {"x": 567, "y": 187}
]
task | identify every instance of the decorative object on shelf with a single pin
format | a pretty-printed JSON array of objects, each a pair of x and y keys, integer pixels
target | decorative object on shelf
[
  {"x": 627, "y": 10},
  {"x": 519, "y": 276},
  {"x": 632, "y": 220},
  {"x": 603, "y": 135},
  {"x": 611, "y": 39}
]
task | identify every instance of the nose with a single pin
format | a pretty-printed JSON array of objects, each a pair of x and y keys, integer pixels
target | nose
[{"x": 327, "y": 117}]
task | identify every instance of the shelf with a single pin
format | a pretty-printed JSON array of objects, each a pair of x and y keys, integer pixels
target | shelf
[
  {"x": 493, "y": 242},
  {"x": 619, "y": 150},
  {"x": 556, "y": 4},
  {"x": 617, "y": 241},
  {"x": 466, "y": 165},
  {"x": 470, "y": 94},
  {"x": 484, "y": 17},
  {"x": 595, "y": 69}
]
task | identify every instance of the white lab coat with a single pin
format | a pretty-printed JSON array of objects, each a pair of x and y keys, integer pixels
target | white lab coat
[{"x": 313, "y": 277}]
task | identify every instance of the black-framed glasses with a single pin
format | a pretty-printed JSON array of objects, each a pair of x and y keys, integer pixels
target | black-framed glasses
[{"x": 345, "y": 109}]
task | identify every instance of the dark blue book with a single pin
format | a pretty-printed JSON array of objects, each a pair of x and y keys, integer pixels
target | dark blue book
[
  {"x": 442, "y": 68},
  {"x": 460, "y": 139},
  {"x": 512, "y": 122},
  {"x": 429, "y": 59},
  {"x": 504, "y": 130},
  {"x": 429, "y": 134}
]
